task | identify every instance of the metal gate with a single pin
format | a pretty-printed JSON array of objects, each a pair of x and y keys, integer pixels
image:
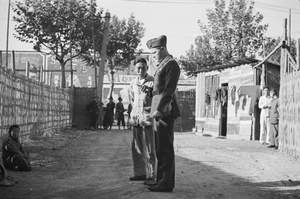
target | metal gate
[
  {"x": 186, "y": 102},
  {"x": 82, "y": 97}
]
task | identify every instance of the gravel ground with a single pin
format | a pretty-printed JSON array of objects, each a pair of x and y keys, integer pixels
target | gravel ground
[{"x": 97, "y": 164}]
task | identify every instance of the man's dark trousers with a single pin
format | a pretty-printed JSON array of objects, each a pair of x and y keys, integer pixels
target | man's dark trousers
[{"x": 165, "y": 152}]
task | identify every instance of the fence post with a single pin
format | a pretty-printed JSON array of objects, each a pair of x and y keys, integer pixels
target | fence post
[
  {"x": 13, "y": 60},
  {"x": 1, "y": 58},
  {"x": 42, "y": 74},
  {"x": 298, "y": 54},
  {"x": 27, "y": 69}
]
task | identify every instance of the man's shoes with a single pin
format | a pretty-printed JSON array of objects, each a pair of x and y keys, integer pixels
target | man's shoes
[
  {"x": 11, "y": 179},
  {"x": 159, "y": 188},
  {"x": 138, "y": 178},
  {"x": 271, "y": 146},
  {"x": 150, "y": 182},
  {"x": 276, "y": 147},
  {"x": 6, "y": 183}
]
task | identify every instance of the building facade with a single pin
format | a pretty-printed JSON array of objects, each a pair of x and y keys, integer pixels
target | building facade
[{"x": 227, "y": 97}]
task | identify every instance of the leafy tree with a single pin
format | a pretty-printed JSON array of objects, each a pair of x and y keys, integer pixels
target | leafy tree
[
  {"x": 199, "y": 56},
  {"x": 271, "y": 43},
  {"x": 123, "y": 40},
  {"x": 231, "y": 33},
  {"x": 56, "y": 25}
]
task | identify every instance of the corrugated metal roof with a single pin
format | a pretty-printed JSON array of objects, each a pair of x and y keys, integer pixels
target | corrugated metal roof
[{"x": 230, "y": 64}]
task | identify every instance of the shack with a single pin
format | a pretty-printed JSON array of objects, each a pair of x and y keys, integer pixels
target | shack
[{"x": 227, "y": 98}]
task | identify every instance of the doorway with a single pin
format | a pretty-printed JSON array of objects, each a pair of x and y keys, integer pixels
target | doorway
[{"x": 223, "y": 115}]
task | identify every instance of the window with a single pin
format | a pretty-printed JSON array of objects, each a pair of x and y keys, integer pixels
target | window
[{"x": 211, "y": 86}]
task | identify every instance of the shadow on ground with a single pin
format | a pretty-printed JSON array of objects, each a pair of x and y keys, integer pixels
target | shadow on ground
[{"x": 97, "y": 164}]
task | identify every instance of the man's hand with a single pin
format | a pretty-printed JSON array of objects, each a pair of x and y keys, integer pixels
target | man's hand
[
  {"x": 145, "y": 89},
  {"x": 157, "y": 115}
]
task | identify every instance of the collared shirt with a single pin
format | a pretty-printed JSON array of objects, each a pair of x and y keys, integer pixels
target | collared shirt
[
  {"x": 141, "y": 102},
  {"x": 264, "y": 104}
]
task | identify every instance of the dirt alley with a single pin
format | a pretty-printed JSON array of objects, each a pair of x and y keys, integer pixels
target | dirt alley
[{"x": 97, "y": 164}]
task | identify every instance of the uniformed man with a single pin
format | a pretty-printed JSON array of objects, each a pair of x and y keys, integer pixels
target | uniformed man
[{"x": 164, "y": 110}]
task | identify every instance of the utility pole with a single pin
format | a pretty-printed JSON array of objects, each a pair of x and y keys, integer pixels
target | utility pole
[
  {"x": 263, "y": 68},
  {"x": 7, "y": 34},
  {"x": 103, "y": 55},
  {"x": 94, "y": 47},
  {"x": 71, "y": 59}
]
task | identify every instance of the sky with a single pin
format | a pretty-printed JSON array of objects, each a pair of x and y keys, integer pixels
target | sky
[{"x": 177, "y": 19}]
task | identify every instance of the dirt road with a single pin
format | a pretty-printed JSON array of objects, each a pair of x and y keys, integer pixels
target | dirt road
[{"x": 97, "y": 164}]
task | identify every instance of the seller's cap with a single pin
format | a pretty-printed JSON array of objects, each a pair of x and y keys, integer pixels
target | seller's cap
[{"x": 157, "y": 42}]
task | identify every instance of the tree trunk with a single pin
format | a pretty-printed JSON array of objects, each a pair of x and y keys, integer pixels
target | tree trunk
[
  {"x": 63, "y": 75},
  {"x": 112, "y": 82}
]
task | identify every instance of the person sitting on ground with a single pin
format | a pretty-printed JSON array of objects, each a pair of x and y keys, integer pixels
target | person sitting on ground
[{"x": 14, "y": 155}]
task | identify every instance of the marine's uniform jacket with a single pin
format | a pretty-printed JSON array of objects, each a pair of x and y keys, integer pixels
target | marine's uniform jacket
[
  {"x": 141, "y": 101},
  {"x": 165, "y": 84}
]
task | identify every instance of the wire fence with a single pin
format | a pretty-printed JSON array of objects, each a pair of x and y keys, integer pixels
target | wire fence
[
  {"x": 289, "y": 121},
  {"x": 37, "y": 108}
]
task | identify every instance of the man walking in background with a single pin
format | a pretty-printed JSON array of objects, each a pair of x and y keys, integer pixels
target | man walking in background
[
  {"x": 120, "y": 113},
  {"x": 164, "y": 110}
]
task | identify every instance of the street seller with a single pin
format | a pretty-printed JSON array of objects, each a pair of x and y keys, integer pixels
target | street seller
[{"x": 143, "y": 142}]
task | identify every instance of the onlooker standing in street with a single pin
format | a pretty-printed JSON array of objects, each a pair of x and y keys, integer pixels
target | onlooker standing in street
[
  {"x": 264, "y": 104},
  {"x": 93, "y": 108},
  {"x": 100, "y": 115},
  {"x": 274, "y": 119},
  {"x": 164, "y": 110},
  {"x": 109, "y": 114},
  {"x": 143, "y": 142},
  {"x": 14, "y": 155},
  {"x": 120, "y": 113},
  {"x": 129, "y": 109}
]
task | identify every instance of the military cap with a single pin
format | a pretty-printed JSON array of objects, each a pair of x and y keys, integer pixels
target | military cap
[{"x": 157, "y": 42}]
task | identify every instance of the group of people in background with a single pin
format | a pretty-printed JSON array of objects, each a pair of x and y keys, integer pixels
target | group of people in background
[
  {"x": 269, "y": 117},
  {"x": 106, "y": 115}
]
